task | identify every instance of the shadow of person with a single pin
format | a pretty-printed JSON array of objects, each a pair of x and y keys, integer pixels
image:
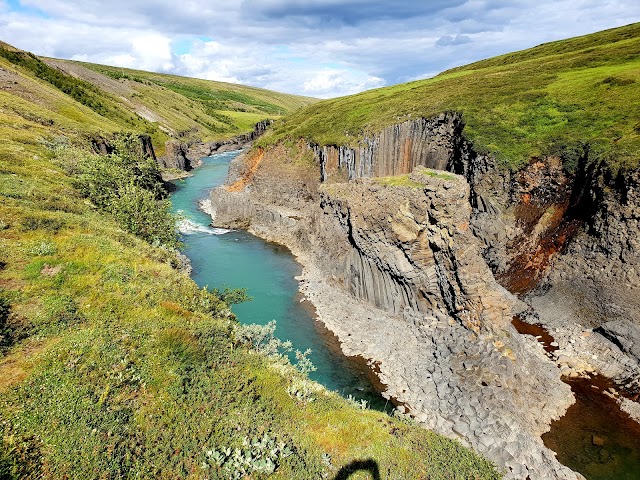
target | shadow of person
[{"x": 369, "y": 465}]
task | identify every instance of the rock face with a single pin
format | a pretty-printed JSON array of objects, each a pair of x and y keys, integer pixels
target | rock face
[
  {"x": 147, "y": 146},
  {"x": 624, "y": 334},
  {"x": 410, "y": 272},
  {"x": 175, "y": 155},
  {"x": 412, "y": 251},
  {"x": 429, "y": 310},
  {"x": 183, "y": 155},
  {"x": 398, "y": 149},
  {"x": 553, "y": 236},
  {"x": 104, "y": 146}
]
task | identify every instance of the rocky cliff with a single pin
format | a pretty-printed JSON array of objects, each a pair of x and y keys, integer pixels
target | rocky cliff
[
  {"x": 561, "y": 232},
  {"x": 104, "y": 146},
  {"x": 418, "y": 272},
  {"x": 396, "y": 150},
  {"x": 183, "y": 154}
]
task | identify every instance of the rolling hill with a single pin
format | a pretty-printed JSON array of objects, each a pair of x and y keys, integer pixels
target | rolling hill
[
  {"x": 84, "y": 100},
  {"x": 548, "y": 99}
]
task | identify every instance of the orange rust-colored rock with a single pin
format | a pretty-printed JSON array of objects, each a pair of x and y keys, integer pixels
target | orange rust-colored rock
[{"x": 251, "y": 166}]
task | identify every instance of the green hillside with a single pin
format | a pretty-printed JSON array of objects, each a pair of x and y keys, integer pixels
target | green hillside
[
  {"x": 113, "y": 364},
  {"x": 88, "y": 100},
  {"x": 556, "y": 97}
]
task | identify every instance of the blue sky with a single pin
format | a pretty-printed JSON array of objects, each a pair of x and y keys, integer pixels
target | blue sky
[{"x": 321, "y": 48}]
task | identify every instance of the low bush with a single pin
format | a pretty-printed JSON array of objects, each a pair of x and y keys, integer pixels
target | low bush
[{"x": 128, "y": 185}]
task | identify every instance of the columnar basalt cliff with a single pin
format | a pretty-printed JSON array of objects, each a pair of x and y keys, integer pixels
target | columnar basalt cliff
[
  {"x": 402, "y": 270},
  {"x": 412, "y": 252},
  {"x": 398, "y": 149}
]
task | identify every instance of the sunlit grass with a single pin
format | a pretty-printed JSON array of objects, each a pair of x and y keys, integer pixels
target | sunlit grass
[{"x": 529, "y": 103}]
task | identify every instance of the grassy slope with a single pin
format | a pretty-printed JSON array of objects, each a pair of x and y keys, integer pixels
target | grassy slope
[
  {"x": 115, "y": 99},
  {"x": 223, "y": 108},
  {"x": 118, "y": 367},
  {"x": 539, "y": 101}
]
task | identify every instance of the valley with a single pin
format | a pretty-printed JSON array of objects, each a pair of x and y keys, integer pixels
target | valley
[{"x": 465, "y": 246}]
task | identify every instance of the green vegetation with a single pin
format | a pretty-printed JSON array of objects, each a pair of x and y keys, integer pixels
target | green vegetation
[
  {"x": 114, "y": 364},
  {"x": 86, "y": 100},
  {"x": 398, "y": 181},
  {"x": 573, "y": 95},
  {"x": 81, "y": 91},
  {"x": 406, "y": 181},
  {"x": 77, "y": 89},
  {"x": 435, "y": 173},
  {"x": 126, "y": 184},
  {"x": 215, "y": 109},
  {"x": 223, "y": 99}
]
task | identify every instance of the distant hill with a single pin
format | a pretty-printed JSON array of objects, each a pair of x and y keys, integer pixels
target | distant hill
[
  {"x": 81, "y": 98},
  {"x": 550, "y": 98}
]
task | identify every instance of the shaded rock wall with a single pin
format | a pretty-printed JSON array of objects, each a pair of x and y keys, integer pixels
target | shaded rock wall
[
  {"x": 175, "y": 156},
  {"x": 104, "y": 146}
]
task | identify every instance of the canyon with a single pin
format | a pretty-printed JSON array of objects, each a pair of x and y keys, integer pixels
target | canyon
[
  {"x": 419, "y": 253},
  {"x": 183, "y": 153}
]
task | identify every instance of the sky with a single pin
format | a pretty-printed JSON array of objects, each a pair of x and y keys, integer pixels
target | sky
[{"x": 319, "y": 48}]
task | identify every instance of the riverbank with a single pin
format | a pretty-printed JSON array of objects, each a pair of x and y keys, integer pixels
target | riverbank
[{"x": 413, "y": 364}]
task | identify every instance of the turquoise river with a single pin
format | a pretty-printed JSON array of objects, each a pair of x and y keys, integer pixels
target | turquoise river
[{"x": 237, "y": 259}]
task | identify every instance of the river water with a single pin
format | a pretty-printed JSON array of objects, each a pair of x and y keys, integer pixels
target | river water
[{"x": 237, "y": 259}]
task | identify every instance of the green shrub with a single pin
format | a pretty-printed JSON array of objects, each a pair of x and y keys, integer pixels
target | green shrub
[
  {"x": 43, "y": 249},
  {"x": 232, "y": 296},
  {"x": 126, "y": 184},
  {"x": 258, "y": 455},
  {"x": 262, "y": 339},
  {"x": 139, "y": 212}
]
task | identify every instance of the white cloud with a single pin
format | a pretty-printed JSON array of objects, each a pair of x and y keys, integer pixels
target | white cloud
[
  {"x": 321, "y": 47},
  {"x": 332, "y": 82},
  {"x": 152, "y": 52}
]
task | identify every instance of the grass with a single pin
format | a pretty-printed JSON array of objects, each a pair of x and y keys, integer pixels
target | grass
[
  {"x": 88, "y": 100},
  {"x": 398, "y": 181},
  {"x": 114, "y": 364},
  {"x": 218, "y": 109},
  {"x": 406, "y": 181},
  {"x": 435, "y": 173},
  {"x": 550, "y": 99}
]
